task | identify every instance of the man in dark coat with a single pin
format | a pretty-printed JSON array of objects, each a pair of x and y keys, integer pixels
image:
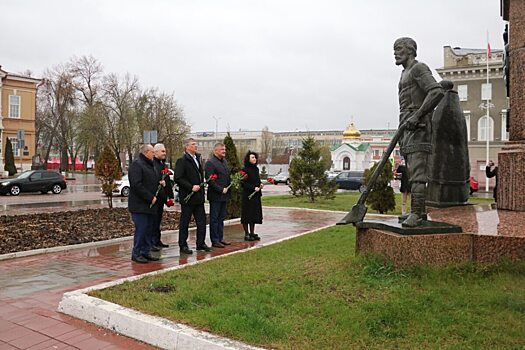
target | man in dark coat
[
  {"x": 165, "y": 193},
  {"x": 142, "y": 203},
  {"x": 489, "y": 172},
  {"x": 218, "y": 194},
  {"x": 189, "y": 176}
]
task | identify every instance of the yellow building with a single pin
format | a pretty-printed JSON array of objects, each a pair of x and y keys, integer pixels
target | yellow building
[{"x": 17, "y": 112}]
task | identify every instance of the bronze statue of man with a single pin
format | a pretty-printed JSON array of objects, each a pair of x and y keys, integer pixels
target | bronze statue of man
[{"x": 419, "y": 94}]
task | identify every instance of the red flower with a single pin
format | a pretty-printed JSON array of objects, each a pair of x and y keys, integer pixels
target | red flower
[
  {"x": 170, "y": 203},
  {"x": 270, "y": 180},
  {"x": 165, "y": 171},
  {"x": 243, "y": 174},
  {"x": 213, "y": 177}
]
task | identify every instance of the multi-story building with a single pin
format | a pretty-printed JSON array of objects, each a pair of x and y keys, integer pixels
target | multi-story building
[
  {"x": 17, "y": 112},
  {"x": 467, "y": 69},
  {"x": 280, "y": 147}
]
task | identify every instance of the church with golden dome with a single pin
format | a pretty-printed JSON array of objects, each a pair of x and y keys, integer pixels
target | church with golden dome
[{"x": 352, "y": 154}]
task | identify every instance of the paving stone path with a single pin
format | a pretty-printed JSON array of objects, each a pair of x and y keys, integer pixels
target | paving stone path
[{"x": 31, "y": 287}]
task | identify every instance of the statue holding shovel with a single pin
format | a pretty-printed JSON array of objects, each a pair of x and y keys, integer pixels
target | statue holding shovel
[{"x": 419, "y": 94}]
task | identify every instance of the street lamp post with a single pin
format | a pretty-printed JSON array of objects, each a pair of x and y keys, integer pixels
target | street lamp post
[
  {"x": 216, "y": 125},
  {"x": 487, "y": 106}
]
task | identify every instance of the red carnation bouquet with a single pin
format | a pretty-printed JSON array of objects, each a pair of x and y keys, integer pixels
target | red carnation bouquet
[
  {"x": 212, "y": 177},
  {"x": 165, "y": 172},
  {"x": 236, "y": 179}
]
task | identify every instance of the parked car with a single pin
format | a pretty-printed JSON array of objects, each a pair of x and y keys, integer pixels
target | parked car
[
  {"x": 351, "y": 180},
  {"x": 474, "y": 185},
  {"x": 34, "y": 181},
  {"x": 332, "y": 174},
  {"x": 122, "y": 186},
  {"x": 282, "y": 177}
]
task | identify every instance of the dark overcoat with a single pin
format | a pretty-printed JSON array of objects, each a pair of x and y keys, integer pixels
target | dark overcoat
[
  {"x": 251, "y": 209},
  {"x": 143, "y": 182},
  {"x": 167, "y": 191}
]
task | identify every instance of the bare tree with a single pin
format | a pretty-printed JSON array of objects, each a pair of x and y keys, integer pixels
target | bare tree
[
  {"x": 266, "y": 143},
  {"x": 160, "y": 111},
  {"x": 88, "y": 74},
  {"x": 57, "y": 112},
  {"x": 120, "y": 102}
]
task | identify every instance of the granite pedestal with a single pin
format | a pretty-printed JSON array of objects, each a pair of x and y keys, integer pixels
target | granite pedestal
[{"x": 489, "y": 235}]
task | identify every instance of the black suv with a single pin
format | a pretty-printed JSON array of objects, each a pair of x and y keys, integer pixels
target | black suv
[
  {"x": 351, "y": 180},
  {"x": 34, "y": 181}
]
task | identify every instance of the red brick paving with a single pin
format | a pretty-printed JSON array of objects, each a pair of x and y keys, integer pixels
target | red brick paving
[{"x": 32, "y": 287}]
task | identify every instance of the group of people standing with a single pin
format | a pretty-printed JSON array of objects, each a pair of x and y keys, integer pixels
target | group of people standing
[{"x": 151, "y": 189}]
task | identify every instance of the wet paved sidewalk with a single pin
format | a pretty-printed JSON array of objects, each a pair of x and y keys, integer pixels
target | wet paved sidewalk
[{"x": 32, "y": 287}]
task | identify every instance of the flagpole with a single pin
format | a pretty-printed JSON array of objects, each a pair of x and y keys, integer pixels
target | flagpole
[{"x": 487, "y": 120}]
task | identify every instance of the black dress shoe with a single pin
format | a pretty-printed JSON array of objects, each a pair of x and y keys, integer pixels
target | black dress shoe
[
  {"x": 204, "y": 247},
  {"x": 151, "y": 258},
  {"x": 139, "y": 259},
  {"x": 223, "y": 242},
  {"x": 162, "y": 245},
  {"x": 186, "y": 250},
  {"x": 248, "y": 238},
  {"x": 217, "y": 245},
  {"x": 255, "y": 236},
  {"x": 155, "y": 248}
]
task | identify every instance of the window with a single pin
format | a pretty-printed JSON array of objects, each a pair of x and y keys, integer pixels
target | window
[
  {"x": 36, "y": 176},
  {"x": 504, "y": 133},
  {"x": 462, "y": 92},
  {"x": 14, "y": 143},
  {"x": 346, "y": 163},
  {"x": 467, "y": 121},
  {"x": 486, "y": 91},
  {"x": 14, "y": 106},
  {"x": 482, "y": 129},
  {"x": 376, "y": 153}
]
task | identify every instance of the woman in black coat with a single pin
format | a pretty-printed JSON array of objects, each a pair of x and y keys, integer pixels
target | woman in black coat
[{"x": 251, "y": 208}]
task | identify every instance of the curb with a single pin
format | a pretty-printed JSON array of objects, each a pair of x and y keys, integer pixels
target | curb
[{"x": 152, "y": 330}]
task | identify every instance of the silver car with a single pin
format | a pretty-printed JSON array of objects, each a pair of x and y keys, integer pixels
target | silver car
[{"x": 283, "y": 177}]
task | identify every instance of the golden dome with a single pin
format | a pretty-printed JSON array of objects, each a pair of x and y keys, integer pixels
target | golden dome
[{"x": 351, "y": 133}]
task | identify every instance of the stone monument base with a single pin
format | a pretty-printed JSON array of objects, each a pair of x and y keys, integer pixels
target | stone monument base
[
  {"x": 511, "y": 177},
  {"x": 488, "y": 237}
]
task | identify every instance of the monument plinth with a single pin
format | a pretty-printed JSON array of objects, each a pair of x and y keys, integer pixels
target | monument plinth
[{"x": 489, "y": 236}]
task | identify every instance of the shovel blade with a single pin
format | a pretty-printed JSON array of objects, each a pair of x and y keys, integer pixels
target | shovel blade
[{"x": 357, "y": 214}]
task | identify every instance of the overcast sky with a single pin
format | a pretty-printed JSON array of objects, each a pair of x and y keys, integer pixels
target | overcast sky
[{"x": 285, "y": 64}]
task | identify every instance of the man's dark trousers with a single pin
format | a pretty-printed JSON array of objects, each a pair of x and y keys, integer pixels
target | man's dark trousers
[
  {"x": 155, "y": 237},
  {"x": 141, "y": 239},
  {"x": 217, "y": 216},
  {"x": 199, "y": 214}
]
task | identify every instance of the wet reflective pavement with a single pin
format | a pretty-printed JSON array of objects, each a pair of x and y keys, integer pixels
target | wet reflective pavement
[{"x": 31, "y": 287}]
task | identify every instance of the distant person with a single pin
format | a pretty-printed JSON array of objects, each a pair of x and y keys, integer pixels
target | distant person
[
  {"x": 251, "y": 208},
  {"x": 189, "y": 176},
  {"x": 402, "y": 172},
  {"x": 142, "y": 203},
  {"x": 489, "y": 172},
  {"x": 218, "y": 194},
  {"x": 163, "y": 196}
]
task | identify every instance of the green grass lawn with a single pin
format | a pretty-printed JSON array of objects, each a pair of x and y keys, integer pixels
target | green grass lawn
[
  {"x": 343, "y": 202},
  {"x": 311, "y": 292}
]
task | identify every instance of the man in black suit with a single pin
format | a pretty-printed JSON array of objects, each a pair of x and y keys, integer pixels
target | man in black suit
[
  {"x": 142, "y": 203},
  {"x": 165, "y": 193},
  {"x": 218, "y": 194},
  {"x": 189, "y": 176}
]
